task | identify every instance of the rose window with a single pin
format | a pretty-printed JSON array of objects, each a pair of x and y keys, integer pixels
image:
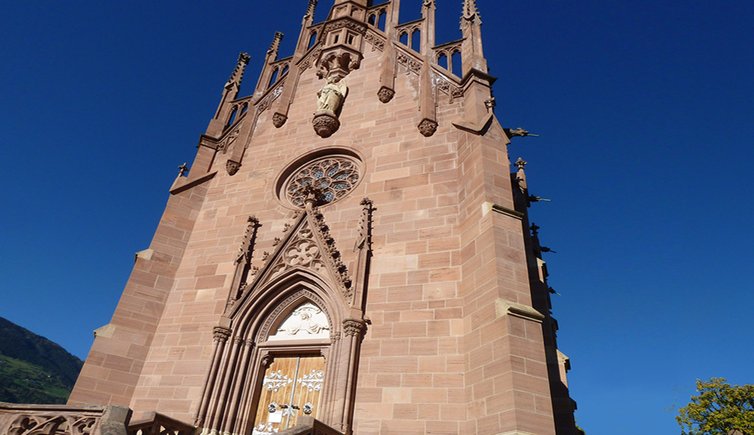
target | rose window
[{"x": 330, "y": 178}]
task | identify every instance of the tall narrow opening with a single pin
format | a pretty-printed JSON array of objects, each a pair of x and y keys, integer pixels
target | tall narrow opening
[
  {"x": 232, "y": 117},
  {"x": 381, "y": 20},
  {"x": 456, "y": 66},
  {"x": 442, "y": 60},
  {"x": 273, "y": 77},
  {"x": 312, "y": 39},
  {"x": 416, "y": 40}
]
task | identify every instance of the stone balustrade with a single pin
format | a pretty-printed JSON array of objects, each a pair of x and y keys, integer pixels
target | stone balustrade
[{"x": 25, "y": 419}]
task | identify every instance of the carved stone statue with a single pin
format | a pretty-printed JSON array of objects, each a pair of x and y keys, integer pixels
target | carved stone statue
[
  {"x": 331, "y": 96},
  {"x": 329, "y": 102}
]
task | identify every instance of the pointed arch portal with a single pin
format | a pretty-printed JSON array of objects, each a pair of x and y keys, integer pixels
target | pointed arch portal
[{"x": 289, "y": 342}]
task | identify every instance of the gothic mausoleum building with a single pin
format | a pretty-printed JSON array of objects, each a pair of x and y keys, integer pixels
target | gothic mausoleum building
[{"x": 348, "y": 254}]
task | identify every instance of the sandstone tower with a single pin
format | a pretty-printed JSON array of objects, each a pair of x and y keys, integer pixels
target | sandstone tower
[{"x": 348, "y": 253}]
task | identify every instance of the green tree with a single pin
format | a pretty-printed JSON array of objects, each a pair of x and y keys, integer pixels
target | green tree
[{"x": 719, "y": 408}]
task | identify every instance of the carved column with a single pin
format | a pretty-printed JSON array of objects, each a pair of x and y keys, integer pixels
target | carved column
[
  {"x": 220, "y": 337},
  {"x": 220, "y": 395},
  {"x": 364, "y": 248},
  {"x": 428, "y": 106},
  {"x": 428, "y": 109},
  {"x": 229, "y": 381},
  {"x": 331, "y": 386},
  {"x": 387, "y": 68},
  {"x": 240, "y": 381},
  {"x": 353, "y": 332}
]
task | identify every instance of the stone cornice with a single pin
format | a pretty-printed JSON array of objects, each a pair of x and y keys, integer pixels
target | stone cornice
[
  {"x": 497, "y": 208},
  {"x": 503, "y": 307},
  {"x": 480, "y": 128},
  {"x": 185, "y": 183}
]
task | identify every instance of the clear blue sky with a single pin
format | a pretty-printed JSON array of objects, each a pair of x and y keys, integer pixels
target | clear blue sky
[{"x": 646, "y": 116}]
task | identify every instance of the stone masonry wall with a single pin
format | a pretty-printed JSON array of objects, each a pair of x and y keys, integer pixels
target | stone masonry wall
[{"x": 440, "y": 355}]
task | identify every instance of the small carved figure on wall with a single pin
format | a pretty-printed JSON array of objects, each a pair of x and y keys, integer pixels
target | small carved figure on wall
[
  {"x": 329, "y": 104},
  {"x": 331, "y": 96}
]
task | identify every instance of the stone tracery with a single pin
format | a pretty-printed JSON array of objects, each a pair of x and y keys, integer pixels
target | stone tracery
[
  {"x": 333, "y": 177},
  {"x": 57, "y": 424}
]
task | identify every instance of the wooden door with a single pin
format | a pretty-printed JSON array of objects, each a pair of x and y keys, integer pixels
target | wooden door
[{"x": 291, "y": 387}]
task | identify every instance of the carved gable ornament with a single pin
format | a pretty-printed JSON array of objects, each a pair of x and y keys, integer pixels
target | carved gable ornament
[{"x": 306, "y": 245}]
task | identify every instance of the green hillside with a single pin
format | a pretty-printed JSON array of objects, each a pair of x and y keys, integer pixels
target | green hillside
[{"x": 33, "y": 369}]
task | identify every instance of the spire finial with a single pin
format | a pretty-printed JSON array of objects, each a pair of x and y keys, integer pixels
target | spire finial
[
  {"x": 428, "y": 32},
  {"x": 237, "y": 75},
  {"x": 230, "y": 91},
  {"x": 303, "y": 37},
  {"x": 471, "y": 11},
  {"x": 275, "y": 43},
  {"x": 472, "y": 55},
  {"x": 520, "y": 176},
  {"x": 310, "y": 9}
]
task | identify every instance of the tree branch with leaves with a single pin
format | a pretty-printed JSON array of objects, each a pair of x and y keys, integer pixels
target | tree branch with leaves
[{"x": 718, "y": 408}]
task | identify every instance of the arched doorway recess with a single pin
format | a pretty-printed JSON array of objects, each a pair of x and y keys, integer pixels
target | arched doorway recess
[{"x": 289, "y": 342}]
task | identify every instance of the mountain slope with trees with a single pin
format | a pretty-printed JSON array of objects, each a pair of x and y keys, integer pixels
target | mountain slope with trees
[{"x": 33, "y": 369}]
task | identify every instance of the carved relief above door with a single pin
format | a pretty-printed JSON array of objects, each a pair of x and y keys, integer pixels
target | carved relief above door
[{"x": 291, "y": 387}]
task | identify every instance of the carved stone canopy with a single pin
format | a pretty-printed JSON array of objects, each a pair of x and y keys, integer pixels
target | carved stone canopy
[
  {"x": 338, "y": 62},
  {"x": 341, "y": 52}
]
